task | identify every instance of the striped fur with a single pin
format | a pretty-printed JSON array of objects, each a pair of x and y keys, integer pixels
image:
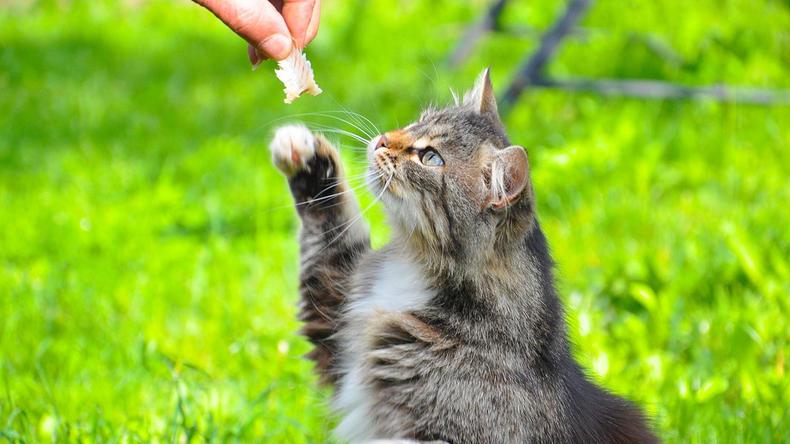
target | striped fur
[{"x": 453, "y": 332}]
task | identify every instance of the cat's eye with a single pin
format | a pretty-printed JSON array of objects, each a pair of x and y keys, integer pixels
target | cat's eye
[{"x": 429, "y": 157}]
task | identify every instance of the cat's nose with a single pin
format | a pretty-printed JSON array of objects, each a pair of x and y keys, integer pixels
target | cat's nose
[{"x": 382, "y": 142}]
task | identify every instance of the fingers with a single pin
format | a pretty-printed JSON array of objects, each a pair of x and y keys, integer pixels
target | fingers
[
  {"x": 256, "y": 21},
  {"x": 296, "y": 16},
  {"x": 312, "y": 28},
  {"x": 302, "y": 17}
]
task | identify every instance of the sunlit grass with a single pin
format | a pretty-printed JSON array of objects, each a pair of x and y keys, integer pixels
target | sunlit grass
[{"x": 148, "y": 260}]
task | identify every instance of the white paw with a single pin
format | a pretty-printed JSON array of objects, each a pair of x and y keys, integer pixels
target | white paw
[{"x": 292, "y": 148}]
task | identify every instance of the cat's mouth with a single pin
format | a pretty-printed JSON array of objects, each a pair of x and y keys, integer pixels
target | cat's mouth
[
  {"x": 385, "y": 162},
  {"x": 382, "y": 177},
  {"x": 382, "y": 164}
]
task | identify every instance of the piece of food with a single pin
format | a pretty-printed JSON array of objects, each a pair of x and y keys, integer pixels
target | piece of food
[{"x": 297, "y": 75}]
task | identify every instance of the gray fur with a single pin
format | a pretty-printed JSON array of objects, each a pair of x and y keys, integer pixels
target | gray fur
[{"x": 453, "y": 332}]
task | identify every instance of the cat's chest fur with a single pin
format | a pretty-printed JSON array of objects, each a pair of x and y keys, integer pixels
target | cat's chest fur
[{"x": 390, "y": 283}]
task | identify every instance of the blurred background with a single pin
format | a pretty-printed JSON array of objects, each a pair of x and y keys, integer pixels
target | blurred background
[{"x": 148, "y": 261}]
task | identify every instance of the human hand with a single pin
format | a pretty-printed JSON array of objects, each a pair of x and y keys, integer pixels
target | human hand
[{"x": 271, "y": 27}]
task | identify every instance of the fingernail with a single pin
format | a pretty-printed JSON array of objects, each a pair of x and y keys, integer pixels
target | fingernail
[
  {"x": 255, "y": 59},
  {"x": 277, "y": 46}
]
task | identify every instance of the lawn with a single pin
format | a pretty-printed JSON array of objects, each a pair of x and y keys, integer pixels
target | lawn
[{"x": 148, "y": 262}]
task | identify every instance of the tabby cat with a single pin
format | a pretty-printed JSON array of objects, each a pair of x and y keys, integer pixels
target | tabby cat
[{"x": 453, "y": 332}]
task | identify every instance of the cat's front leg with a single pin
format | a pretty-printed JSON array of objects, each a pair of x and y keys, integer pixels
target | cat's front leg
[
  {"x": 333, "y": 236},
  {"x": 325, "y": 203}
]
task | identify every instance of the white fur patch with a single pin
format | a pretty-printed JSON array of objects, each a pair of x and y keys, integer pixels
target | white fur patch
[{"x": 400, "y": 286}]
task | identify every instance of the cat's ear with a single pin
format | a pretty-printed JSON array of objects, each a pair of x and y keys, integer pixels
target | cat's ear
[
  {"x": 509, "y": 176},
  {"x": 481, "y": 97}
]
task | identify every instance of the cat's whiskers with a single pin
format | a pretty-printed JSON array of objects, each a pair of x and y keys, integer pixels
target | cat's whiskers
[
  {"x": 346, "y": 226},
  {"x": 371, "y": 125},
  {"x": 364, "y": 175},
  {"x": 355, "y": 148},
  {"x": 319, "y": 198},
  {"x": 326, "y": 128},
  {"x": 364, "y": 130},
  {"x": 356, "y": 116},
  {"x": 357, "y": 124},
  {"x": 328, "y": 114},
  {"x": 365, "y": 126},
  {"x": 351, "y": 179}
]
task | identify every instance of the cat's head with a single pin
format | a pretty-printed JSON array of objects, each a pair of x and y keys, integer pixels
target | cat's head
[{"x": 454, "y": 184}]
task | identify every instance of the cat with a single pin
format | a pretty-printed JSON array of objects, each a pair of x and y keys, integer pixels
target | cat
[{"x": 453, "y": 332}]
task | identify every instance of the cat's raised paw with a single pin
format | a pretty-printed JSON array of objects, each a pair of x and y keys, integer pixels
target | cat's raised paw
[{"x": 292, "y": 147}]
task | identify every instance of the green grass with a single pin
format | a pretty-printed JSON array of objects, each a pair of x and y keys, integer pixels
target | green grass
[{"x": 148, "y": 265}]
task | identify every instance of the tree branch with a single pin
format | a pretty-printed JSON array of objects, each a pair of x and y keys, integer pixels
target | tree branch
[
  {"x": 654, "y": 89},
  {"x": 532, "y": 70},
  {"x": 475, "y": 32}
]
